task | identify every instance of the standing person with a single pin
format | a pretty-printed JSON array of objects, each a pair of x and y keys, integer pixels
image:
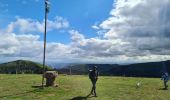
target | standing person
[
  {"x": 165, "y": 78},
  {"x": 93, "y": 75}
]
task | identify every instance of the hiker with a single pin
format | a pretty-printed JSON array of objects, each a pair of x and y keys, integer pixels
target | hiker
[
  {"x": 165, "y": 78},
  {"x": 93, "y": 75}
]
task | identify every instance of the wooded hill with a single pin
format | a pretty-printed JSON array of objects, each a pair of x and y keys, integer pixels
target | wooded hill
[
  {"x": 150, "y": 69},
  {"x": 22, "y": 66}
]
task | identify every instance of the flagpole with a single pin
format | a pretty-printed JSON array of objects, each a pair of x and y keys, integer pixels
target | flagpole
[{"x": 45, "y": 31}]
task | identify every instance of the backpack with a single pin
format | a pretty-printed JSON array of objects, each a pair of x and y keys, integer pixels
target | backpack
[{"x": 90, "y": 74}]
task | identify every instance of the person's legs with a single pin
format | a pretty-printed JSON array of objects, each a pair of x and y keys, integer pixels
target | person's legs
[
  {"x": 92, "y": 91},
  {"x": 94, "y": 88},
  {"x": 165, "y": 84}
]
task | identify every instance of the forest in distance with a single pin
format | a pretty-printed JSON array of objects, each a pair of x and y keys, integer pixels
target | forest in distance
[{"x": 150, "y": 69}]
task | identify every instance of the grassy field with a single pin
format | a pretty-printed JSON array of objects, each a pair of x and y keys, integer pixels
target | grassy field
[{"x": 23, "y": 87}]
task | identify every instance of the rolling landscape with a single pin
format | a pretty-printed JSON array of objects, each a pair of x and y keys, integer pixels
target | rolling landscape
[
  {"x": 84, "y": 49},
  {"x": 115, "y": 82},
  {"x": 150, "y": 69}
]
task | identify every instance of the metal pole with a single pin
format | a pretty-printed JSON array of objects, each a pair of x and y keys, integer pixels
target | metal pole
[{"x": 45, "y": 31}]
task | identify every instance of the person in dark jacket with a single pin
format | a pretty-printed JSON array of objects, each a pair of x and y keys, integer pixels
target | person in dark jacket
[
  {"x": 93, "y": 75},
  {"x": 165, "y": 78}
]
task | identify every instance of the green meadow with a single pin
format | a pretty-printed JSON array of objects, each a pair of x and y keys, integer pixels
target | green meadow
[{"x": 76, "y": 87}]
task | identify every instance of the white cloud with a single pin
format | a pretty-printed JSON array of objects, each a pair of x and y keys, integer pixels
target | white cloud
[
  {"x": 144, "y": 27},
  {"x": 27, "y": 25},
  {"x": 95, "y": 27},
  {"x": 136, "y": 31},
  {"x": 18, "y": 41},
  {"x": 79, "y": 50},
  {"x": 77, "y": 38},
  {"x": 9, "y": 44},
  {"x": 20, "y": 45},
  {"x": 29, "y": 46},
  {"x": 95, "y": 47}
]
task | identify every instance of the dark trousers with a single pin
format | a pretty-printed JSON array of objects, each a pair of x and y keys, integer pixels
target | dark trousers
[
  {"x": 165, "y": 84},
  {"x": 93, "y": 90}
]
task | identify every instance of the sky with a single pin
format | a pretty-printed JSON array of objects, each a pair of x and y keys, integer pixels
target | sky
[{"x": 86, "y": 31}]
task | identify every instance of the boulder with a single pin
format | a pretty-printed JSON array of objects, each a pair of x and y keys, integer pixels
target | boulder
[{"x": 50, "y": 78}]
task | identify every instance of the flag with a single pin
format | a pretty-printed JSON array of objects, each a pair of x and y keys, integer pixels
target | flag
[{"x": 47, "y": 6}]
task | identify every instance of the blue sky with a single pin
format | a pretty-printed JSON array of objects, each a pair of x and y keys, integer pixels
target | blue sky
[
  {"x": 81, "y": 14},
  {"x": 86, "y": 31}
]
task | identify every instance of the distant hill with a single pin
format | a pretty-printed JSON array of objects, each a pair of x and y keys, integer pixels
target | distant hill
[
  {"x": 22, "y": 66},
  {"x": 150, "y": 69}
]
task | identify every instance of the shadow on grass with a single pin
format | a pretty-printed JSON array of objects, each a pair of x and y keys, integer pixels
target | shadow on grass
[
  {"x": 38, "y": 89},
  {"x": 40, "y": 86},
  {"x": 163, "y": 89},
  {"x": 37, "y": 86},
  {"x": 81, "y": 97}
]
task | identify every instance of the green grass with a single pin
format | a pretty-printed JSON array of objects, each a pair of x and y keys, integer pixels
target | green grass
[{"x": 19, "y": 87}]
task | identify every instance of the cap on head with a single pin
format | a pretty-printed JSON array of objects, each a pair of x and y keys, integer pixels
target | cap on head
[{"x": 94, "y": 67}]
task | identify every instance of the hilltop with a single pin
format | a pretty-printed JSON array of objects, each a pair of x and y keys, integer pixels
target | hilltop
[{"x": 22, "y": 66}]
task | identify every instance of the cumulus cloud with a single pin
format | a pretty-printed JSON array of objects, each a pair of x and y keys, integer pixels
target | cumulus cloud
[
  {"x": 77, "y": 38},
  {"x": 30, "y": 46},
  {"x": 13, "y": 45},
  {"x": 9, "y": 44},
  {"x": 26, "y": 25},
  {"x": 136, "y": 31},
  {"x": 95, "y": 27},
  {"x": 142, "y": 24},
  {"x": 95, "y": 47},
  {"x": 19, "y": 40}
]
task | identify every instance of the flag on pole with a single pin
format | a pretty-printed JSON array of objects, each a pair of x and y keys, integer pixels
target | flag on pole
[
  {"x": 47, "y": 7},
  {"x": 47, "y": 3}
]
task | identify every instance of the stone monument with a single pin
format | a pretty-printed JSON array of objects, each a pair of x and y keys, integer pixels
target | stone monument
[{"x": 50, "y": 78}]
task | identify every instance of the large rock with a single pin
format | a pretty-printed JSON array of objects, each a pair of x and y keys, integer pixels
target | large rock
[{"x": 50, "y": 78}]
